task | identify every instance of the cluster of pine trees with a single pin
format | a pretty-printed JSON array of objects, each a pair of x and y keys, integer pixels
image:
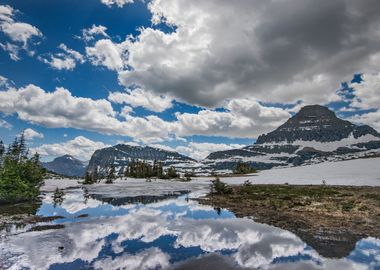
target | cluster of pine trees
[
  {"x": 142, "y": 169},
  {"x": 91, "y": 178},
  {"x": 137, "y": 169},
  {"x": 20, "y": 175},
  {"x": 244, "y": 168}
]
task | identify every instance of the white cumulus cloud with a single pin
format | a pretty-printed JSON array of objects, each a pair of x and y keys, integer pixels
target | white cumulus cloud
[
  {"x": 240, "y": 118},
  {"x": 79, "y": 147},
  {"x": 5, "y": 124},
  {"x": 67, "y": 59},
  {"x": 243, "y": 118},
  {"x": 89, "y": 34},
  {"x": 200, "y": 151},
  {"x": 119, "y": 3},
  {"x": 19, "y": 33},
  {"x": 31, "y": 134},
  {"x": 61, "y": 109},
  {"x": 145, "y": 99},
  {"x": 367, "y": 92},
  {"x": 108, "y": 54}
]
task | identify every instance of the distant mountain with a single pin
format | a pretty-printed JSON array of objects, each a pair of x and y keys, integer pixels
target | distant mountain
[
  {"x": 316, "y": 123},
  {"x": 66, "y": 165},
  {"x": 315, "y": 134},
  {"x": 121, "y": 155}
]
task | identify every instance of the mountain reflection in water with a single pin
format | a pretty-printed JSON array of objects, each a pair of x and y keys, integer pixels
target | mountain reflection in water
[{"x": 163, "y": 232}]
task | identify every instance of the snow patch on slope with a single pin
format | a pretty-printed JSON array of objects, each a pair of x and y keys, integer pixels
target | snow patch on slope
[{"x": 329, "y": 146}]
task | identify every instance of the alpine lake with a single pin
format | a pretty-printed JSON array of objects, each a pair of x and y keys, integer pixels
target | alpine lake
[{"x": 135, "y": 224}]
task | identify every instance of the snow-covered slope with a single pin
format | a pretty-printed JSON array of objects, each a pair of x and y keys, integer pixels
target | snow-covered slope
[{"x": 358, "y": 172}]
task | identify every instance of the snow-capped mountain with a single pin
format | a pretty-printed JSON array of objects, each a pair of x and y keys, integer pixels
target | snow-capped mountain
[
  {"x": 66, "y": 165},
  {"x": 121, "y": 155},
  {"x": 315, "y": 134}
]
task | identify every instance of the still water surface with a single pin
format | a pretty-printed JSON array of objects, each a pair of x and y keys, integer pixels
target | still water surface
[{"x": 170, "y": 231}]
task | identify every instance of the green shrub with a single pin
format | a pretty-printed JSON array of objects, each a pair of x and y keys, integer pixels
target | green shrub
[
  {"x": 348, "y": 206},
  {"x": 220, "y": 188}
]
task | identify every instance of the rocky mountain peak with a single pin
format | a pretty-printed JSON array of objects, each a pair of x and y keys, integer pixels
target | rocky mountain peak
[
  {"x": 313, "y": 135},
  {"x": 314, "y": 117},
  {"x": 316, "y": 110},
  {"x": 66, "y": 157},
  {"x": 315, "y": 123}
]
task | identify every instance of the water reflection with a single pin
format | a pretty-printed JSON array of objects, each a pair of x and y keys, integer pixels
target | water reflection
[
  {"x": 144, "y": 199},
  {"x": 168, "y": 233},
  {"x": 58, "y": 197}
]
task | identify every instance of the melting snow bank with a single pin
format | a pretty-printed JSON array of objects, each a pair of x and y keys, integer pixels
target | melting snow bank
[
  {"x": 132, "y": 187},
  {"x": 359, "y": 172}
]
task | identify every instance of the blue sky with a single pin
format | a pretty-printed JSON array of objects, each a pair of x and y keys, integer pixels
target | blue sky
[{"x": 184, "y": 77}]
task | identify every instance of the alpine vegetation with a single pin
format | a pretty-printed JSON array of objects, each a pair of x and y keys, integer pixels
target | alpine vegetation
[{"x": 20, "y": 175}]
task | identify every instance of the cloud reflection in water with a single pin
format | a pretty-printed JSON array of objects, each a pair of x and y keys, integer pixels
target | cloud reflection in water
[{"x": 173, "y": 233}]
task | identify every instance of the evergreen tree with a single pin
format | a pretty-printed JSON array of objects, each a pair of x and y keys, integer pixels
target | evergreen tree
[
  {"x": 13, "y": 150},
  {"x": 88, "y": 179},
  {"x": 23, "y": 150},
  {"x": 160, "y": 170},
  {"x": 244, "y": 168},
  {"x": 111, "y": 175},
  {"x": 143, "y": 169},
  {"x": 95, "y": 175},
  {"x": 2, "y": 152},
  {"x": 218, "y": 187},
  {"x": 20, "y": 176},
  {"x": 2, "y": 149},
  {"x": 172, "y": 173}
]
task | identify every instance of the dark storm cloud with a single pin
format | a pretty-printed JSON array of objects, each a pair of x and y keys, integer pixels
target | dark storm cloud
[{"x": 277, "y": 51}]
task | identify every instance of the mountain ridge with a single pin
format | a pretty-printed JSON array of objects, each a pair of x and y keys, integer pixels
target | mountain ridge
[
  {"x": 66, "y": 165},
  {"x": 121, "y": 155}
]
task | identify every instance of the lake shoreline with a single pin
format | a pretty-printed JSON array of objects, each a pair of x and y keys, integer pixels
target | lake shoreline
[{"x": 331, "y": 219}]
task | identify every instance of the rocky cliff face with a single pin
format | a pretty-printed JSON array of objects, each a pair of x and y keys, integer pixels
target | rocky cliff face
[
  {"x": 121, "y": 155},
  {"x": 66, "y": 165},
  {"x": 315, "y": 134}
]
